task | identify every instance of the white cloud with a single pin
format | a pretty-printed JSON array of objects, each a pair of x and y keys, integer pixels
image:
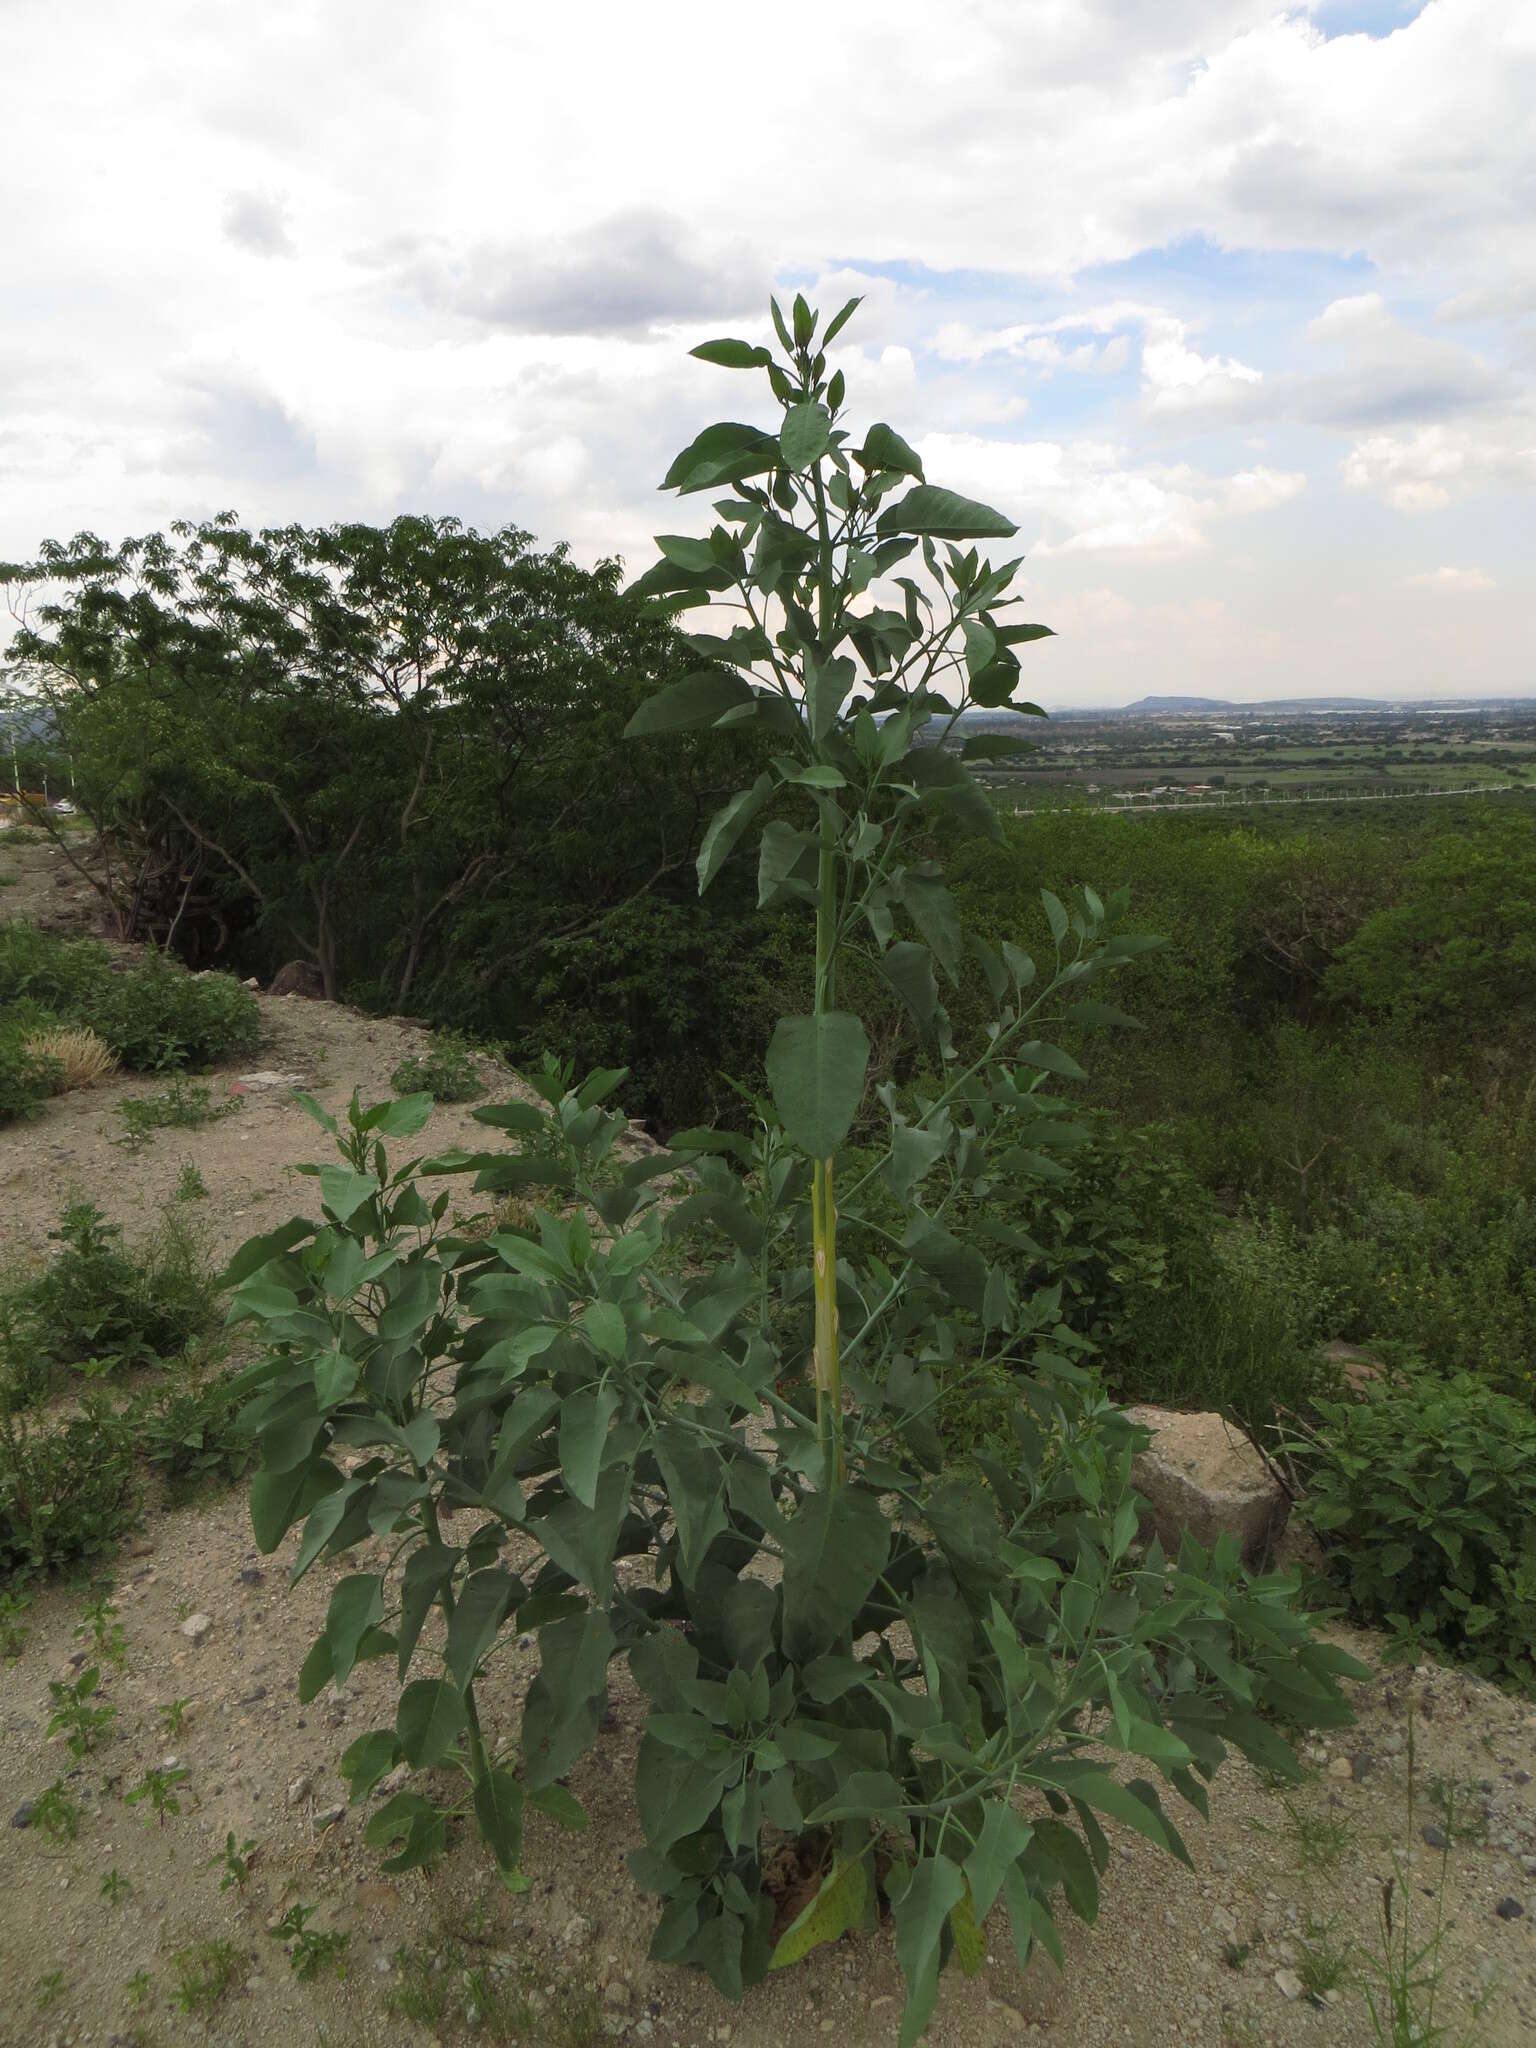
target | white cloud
[
  {"x": 1175, "y": 376},
  {"x": 1431, "y": 466},
  {"x": 1454, "y": 580},
  {"x": 258, "y": 221}
]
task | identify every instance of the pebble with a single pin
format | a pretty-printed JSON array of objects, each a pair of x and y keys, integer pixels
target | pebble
[
  {"x": 197, "y": 1627},
  {"x": 327, "y": 1816},
  {"x": 1436, "y": 1838},
  {"x": 1219, "y": 1861},
  {"x": 1341, "y": 1767},
  {"x": 396, "y": 1781},
  {"x": 1509, "y": 1909},
  {"x": 300, "y": 1789},
  {"x": 1288, "y": 1983},
  {"x": 22, "y": 1817}
]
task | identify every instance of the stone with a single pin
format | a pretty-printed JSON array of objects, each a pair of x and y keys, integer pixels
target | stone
[
  {"x": 1288, "y": 1984},
  {"x": 197, "y": 1627},
  {"x": 327, "y": 1816},
  {"x": 299, "y": 1789},
  {"x": 1436, "y": 1838},
  {"x": 22, "y": 1817},
  {"x": 395, "y": 1781},
  {"x": 298, "y": 978},
  {"x": 269, "y": 1077},
  {"x": 1341, "y": 1767},
  {"x": 1201, "y": 1473},
  {"x": 1362, "y": 1371},
  {"x": 1510, "y": 1909}
]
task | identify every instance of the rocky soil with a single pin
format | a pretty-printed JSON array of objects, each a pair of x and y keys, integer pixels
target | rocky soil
[{"x": 1286, "y": 1883}]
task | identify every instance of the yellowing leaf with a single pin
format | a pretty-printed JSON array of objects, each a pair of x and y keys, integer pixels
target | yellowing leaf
[{"x": 837, "y": 1906}]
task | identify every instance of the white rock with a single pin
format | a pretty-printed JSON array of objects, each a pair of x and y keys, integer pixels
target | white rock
[
  {"x": 1288, "y": 1983},
  {"x": 197, "y": 1627},
  {"x": 300, "y": 1789}
]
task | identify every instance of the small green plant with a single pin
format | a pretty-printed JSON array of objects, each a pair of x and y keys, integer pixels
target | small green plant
[
  {"x": 1322, "y": 1960},
  {"x": 56, "y": 1813},
  {"x": 310, "y": 1953},
  {"x": 158, "y": 1786},
  {"x": 66, "y": 1495},
  {"x": 190, "y": 1185},
  {"x": 189, "y": 1429},
  {"x": 99, "y": 1624},
  {"x": 205, "y": 1974},
  {"x": 447, "y": 1073},
  {"x": 154, "y": 1016},
  {"x": 138, "y": 1987},
  {"x": 1426, "y": 1498},
  {"x": 115, "y": 1887},
  {"x": 1457, "y": 1811},
  {"x": 1320, "y": 1838},
  {"x": 185, "y": 1106},
  {"x": 14, "y": 1632},
  {"x": 81, "y": 1723},
  {"x": 173, "y": 1716},
  {"x": 50, "y": 1989},
  {"x": 236, "y": 1862}
]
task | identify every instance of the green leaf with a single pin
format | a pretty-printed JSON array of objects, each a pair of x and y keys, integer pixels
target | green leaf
[
  {"x": 816, "y": 1068},
  {"x": 932, "y": 909},
  {"x": 695, "y": 1482},
  {"x": 781, "y": 851},
  {"x": 727, "y": 826},
  {"x": 804, "y": 436},
  {"x": 834, "y": 1551},
  {"x": 885, "y": 449},
  {"x": 584, "y": 1420},
  {"x": 726, "y": 453},
  {"x": 412, "y": 1822},
  {"x": 499, "y": 1814},
  {"x": 257, "y": 1252},
  {"x": 371, "y": 1757},
  {"x": 1004, "y": 1837},
  {"x": 840, "y": 321},
  {"x": 567, "y": 1698},
  {"x": 604, "y": 1324},
  {"x": 484, "y": 1602},
  {"x": 1055, "y": 915},
  {"x": 732, "y": 355},
  {"x": 920, "y": 1912},
  {"x": 970, "y": 1940},
  {"x": 279, "y": 1499},
  {"x": 837, "y": 1906},
  {"x": 357, "y": 1604},
  {"x": 909, "y": 970},
  {"x": 943, "y": 515},
  {"x": 429, "y": 1720},
  {"x": 995, "y": 746},
  {"x": 344, "y": 1191},
  {"x": 696, "y": 699}
]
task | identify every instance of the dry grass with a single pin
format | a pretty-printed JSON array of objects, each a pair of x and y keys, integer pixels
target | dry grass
[{"x": 83, "y": 1058}]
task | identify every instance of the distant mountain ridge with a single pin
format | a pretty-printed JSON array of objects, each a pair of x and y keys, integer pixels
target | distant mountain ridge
[{"x": 1268, "y": 705}]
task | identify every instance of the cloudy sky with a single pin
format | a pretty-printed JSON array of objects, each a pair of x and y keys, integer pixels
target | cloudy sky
[{"x": 1230, "y": 303}]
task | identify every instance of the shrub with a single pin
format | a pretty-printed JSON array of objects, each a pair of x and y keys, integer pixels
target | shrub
[
  {"x": 190, "y": 1431},
  {"x": 100, "y": 1307},
  {"x": 1426, "y": 1497},
  {"x": 447, "y": 1072},
  {"x": 152, "y": 1015},
  {"x": 27, "y": 1076},
  {"x": 66, "y": 1495},
  {"x": 1013, "y": 1648}
]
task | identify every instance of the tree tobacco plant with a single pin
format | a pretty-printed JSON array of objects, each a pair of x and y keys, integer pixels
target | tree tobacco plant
[{"x": 911, "y": 1689}]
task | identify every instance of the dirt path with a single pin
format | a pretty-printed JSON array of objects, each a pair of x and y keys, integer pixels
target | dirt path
[{"x": 1178, "y": 1957}]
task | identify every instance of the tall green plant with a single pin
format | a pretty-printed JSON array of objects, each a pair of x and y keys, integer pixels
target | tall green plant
[{"x": 923, "y": 1680}]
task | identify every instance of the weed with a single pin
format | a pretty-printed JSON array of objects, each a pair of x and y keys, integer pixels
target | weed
[
  {"x": 115, "y": 1887},
  {"x": 173, "y": 1716},
  {"x": 189, "y": 1429},
  {"x": 56, "y": 1813},
  {"x": 81, "y": 1058},
  {"x": 1323, "y": 1963},
  {"x": 438, "y": 1986},
  {"x": 98, "y": 1621},
  {"x": 236, "y": 1862},
  {"x": 205, "y": 1973},
  {"x": 13, "y": 1630},
  {"x": 190, "y": 1185},
  {"x": 310, "y": 1953},
  {"x": 137, "y": 1987},
  {"x": 159, "y": 1788},
  {"x": 1455, "y": 1806},
  {"x": 1321, "y": 1838},
  {"x": 83, "y": 1725},
  {"x": 50, "y": 1989},
  {"x": 447, "y": 1072},
  {"x": 66, "y": 1494},
  {"x": 185, "y": 1106}
]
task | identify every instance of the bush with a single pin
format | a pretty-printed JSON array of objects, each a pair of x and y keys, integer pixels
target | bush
[
  {"x": 65, "y": 1495},
  {"x": 101, "y": 1308},
  {"x": 152, "y": 1016},
  {"x": 190, "y": 1432},
  {"x": 28, "y": 1076},
  {"x": 1426, "y": 1496},
  {"x": 447, "y": 1073}
]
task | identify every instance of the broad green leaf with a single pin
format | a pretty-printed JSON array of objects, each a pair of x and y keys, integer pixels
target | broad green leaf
[
  {"x": 499, "y": 1813},
  {"x": 697, "y": 699},
  {"x": 943, "y": 515},
  {"x": 727, "y": 826},
  {"x": 725, "y": 453},
  {"x": 1055, "y": 915},
  {"x": 782, "y": 849},
  {"x": 357, "y": 1604},
  {"x": 816, "y": 1068},
  {"x": 914, "y": 1152},
  {"x": 834, "y": 1550},
  {"x": 909, "y": 970},
  {"x": 484, "y": 1601},
  {"x": 584, "y": 1420},
  {"x": 932, "y": 909},
  {"x": 804, "y": 435},
  {"x": 279, "y": 1499},
  {"x": 970, "y": 1940},
  {"x": 695, "y": 1482},
  {"x": 604, "y": 1324},
  {"x": 921, "y": 1910},
  {"x": 732, "y": 355},
  {"x": 840, "y": 320},
  {"x": 1004, "y": 1837},
  {"x": 837, "y": 1906},
  {"x": 995, "y": 746},
  {"x": 885, "y": 449},
  {"x": 257, "y": 1252},
  {"x": 344, "y": 1191},
  {"x": 371, "y": 1757},
  {"x": 429, "y": 1720},
  {"x": 567, "y": 1698},
  {"x": 415, "y": 1825}
]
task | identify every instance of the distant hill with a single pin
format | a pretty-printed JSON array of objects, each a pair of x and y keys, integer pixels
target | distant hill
[{"x": 1266, "y": 708}]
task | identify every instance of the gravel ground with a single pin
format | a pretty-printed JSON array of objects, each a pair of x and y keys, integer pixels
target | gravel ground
[{"x": 1213, "y": 1956}]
